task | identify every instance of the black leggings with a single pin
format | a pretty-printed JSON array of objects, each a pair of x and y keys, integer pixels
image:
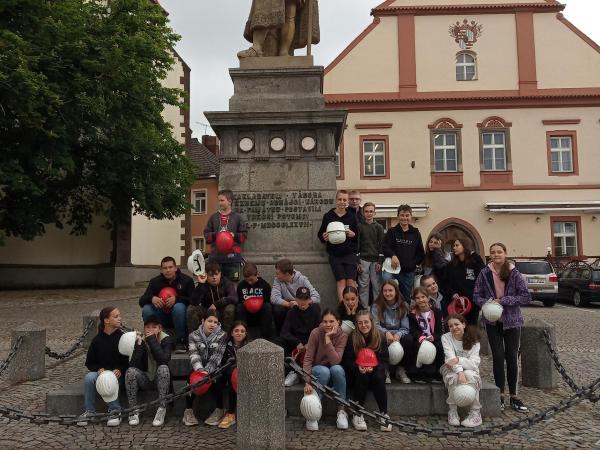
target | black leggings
[
  {"x": 217, "y": 391},
  {"x": 375, "y": 381},
  {"x": 505, "y": 346}
]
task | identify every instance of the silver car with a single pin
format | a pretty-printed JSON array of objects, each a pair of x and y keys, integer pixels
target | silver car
[{"x": 541, "y": 280}]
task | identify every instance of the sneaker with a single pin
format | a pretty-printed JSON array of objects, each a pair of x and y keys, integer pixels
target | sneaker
[
  {"x": 312, "y": 425},
  {"x": 383, "y": 426},
  {"x": 502, "y": 405},
  {"x": 342, "y": 420},
  {"x": 189, "y": 419},
  {"x": 388, "y": 380},
  {"x": 517, "y": 405},
  {"x": 401, "y": 375},
  {"x": 453, "y": 418},
  {"x": 114, "y": 422},
  {"x": 180, "y": 347},
  {"x": 159, "y": 417},
  {"x": 359, "y": 423},
  {"x": 134, "y": 419},
  {"x": 215, "y": 418},
  {"x": 227, "y": 421},
  {"x": 291, "y": 379},
  {"x": 82, "y": 420},
  {"x": 473, "y": 419}
]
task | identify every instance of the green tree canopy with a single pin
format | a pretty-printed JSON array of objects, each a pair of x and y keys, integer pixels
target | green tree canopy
[{"x": 81, "y": 130}]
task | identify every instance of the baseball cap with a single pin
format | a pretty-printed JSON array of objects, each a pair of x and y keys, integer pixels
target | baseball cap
[
  {"x": 303, "y": 293},
  {"x": 152, "y": 319}
]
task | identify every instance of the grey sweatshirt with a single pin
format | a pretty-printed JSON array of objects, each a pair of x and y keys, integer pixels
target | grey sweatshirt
[{"x": 284, "y": 292}]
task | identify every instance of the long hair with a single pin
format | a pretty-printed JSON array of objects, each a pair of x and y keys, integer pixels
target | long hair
[
  {"x": 471, "y": 336},
  {"x": 505, "y": 269},
  {"x": 398, "y": 298},
  {"x": 105, "y": 314},
  {"x": 236, "y": 324},
  {"x": 468, "y": 250},
  {"x": 428, "y": 261},
  {"x": 417, "y": 290},
  {"x": 359, "y": 341}
]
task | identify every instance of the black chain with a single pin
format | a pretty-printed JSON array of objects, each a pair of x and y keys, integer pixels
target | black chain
[
  {"x": 73, "y": 347},
  {"x": 414, "y": 428},
  {"x": 13, "y": 351}
]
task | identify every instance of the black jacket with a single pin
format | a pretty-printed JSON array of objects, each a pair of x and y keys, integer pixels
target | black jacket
[
  {"x": 344, "y": 313},
  {"x": 406, "y": 245},
  {"x": 104, "y": 353},
  {"x": 161, "y": 351},
  {"x": 260, "y": 289},
  {"x": 460, "y": 277},
  {"x": 350, "y": 246},
  {"x": 221, "y": 295},
  {"x": 298, "y": 324},
  {"x": 415, "y": 329},
  {"x": 183, "y": 285}
]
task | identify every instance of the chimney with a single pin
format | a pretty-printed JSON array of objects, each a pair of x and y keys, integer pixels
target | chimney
[{"x": 211, "y": 143}]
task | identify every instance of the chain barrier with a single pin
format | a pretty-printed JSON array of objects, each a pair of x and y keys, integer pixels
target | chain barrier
[
  {"x": 415, "y": 428},
  {"x": 73, "y": 347},
  {"x": 13, "y": 351}
]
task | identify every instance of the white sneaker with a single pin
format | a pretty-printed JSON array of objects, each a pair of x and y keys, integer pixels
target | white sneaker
[
  {"x": 383, "y": 426},
  {"x": 312, "y": 425},
  {"x": 82, "y": 420},
  {"x": 215, "y": 417},
  {"x": 134, "y": 419},
  {"x": 401, "y": 375},
  {"x": 342, "y": 420},
  {"x": 388, "y": 380},
  {"x": 453, "y": 418},
  {"x": 114, "y": 422},
  {"x": 473, "y": 419},
  {"x": 359, "y": 423},
  {"x": 159, "y": 417},
  {"x": 291, "y": 379},
  {"x": 189, "y": 419}
]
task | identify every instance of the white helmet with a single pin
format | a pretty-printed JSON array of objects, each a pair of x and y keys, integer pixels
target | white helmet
[
  {"x": 195, "y": 263},
  {"x": 387, "y": 266},
  {"x": 347, "y": 326},
  {"x": 126, "y": 343},
  {"x": 426, "y": 353},
  {"x": 310, "y": 407},
  {"x": 464, "y": 395},
  {"x": 336, "y": 232},
  {"x": 492, "y": 311},
  {"x": 107, "y": 386},
  {"x": 396, "y": 353}
]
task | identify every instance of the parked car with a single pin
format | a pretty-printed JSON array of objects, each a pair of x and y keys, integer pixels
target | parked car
[
  {"x": 580, "y": 283},
  {"x": 541, "y": 279}
]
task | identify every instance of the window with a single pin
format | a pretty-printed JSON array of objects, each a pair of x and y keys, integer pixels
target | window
[
  {"x": 564, "y": 236},
  {"x": 199, "y": 243},
  {"x": 562, "y": 153},
  {"x": 374, "y": 162},
  {"x": 466, "y": 66},
  {"x": 445, "y": 152},
  {"x": 494, "y": 150},
  {"x": 199, "y": 202}
]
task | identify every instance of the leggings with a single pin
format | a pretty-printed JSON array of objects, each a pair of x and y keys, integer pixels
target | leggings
[
  {"x": 505, "y": 346},
  {"x": 374, "y": 381},
  {"x": 135, "y": 380}
]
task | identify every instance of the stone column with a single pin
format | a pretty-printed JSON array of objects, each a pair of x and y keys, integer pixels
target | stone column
[
  {"x": 261, "y": 397},
  {"x": 95, "y": 317},
  {"x": 537, "y": 368},
  {"x": 29, "y": 361},
  {"x": 484, "y": 343}
]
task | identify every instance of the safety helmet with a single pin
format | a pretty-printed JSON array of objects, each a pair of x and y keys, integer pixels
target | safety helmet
[
  {"x": 310, "y": 407},
  {"x": 234, "y": 379},
  {"x": 165, "y": 293},
  {"x": 224, "y": 241},
  {"x": 253, "y": 304},
  {"x": 126, "y": 343},
  {"x": 348, "y": 326},
  {"x": 195, "y": 263},
  {"x": 367, "y": 358},
  {"x": 396, "y": 352},
  {"x": 427, "y": 353},
  {"x": 107, "y": 386},
  {"x": 492, "y": 311},
  {"x": 195, "y": 377},
  {"x": 464, "y": 395},
  {"x": 460, "y": 305},
  {"x": 298, "y": 356},
  {"x": 336, "y": 233},
  {"x": 387, "y": 266}
]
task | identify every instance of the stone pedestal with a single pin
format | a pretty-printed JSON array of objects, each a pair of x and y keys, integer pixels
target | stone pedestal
[
  {"x": 537, "y": 368},
  {"x": 29, "y": 361},
  {"x": 278, "y": 148},
  {"x": 95, "y": 317},
  {"x": 261, "y": 397}
]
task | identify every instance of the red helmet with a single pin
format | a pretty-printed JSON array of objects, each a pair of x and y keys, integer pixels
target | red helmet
[
  {"x": 298, "y": 356},
  {"x": 460, "y": 305},
  {"x": 367, "y": 358},
  {"x": 167, "y": 292},
  {"x": 234, "y": 379},
  {"x": 224, "y": 241},
  {"x": 199, "y": 375},
  {"x": 253, "y": 304}
]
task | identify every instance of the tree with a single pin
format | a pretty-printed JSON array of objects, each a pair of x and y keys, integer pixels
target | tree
[{"x": 80, "y": 115}]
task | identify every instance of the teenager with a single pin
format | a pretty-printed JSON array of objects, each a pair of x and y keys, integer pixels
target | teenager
[
  {"x": 342, "y": 257},
  {"x": 363, "y": 379},
  {"x": 254, "y": 286},
  {"x": 149, "y": 368},
  {"x": 350, "y": 305},
  {"x": 172, "y": 311},
  {"x": 435, "y": 261},
  {"x": 103, "y": 354},
  {"x": 404, "y": 245},
  {"x": 206, "y": 346},
  {"x": 225, "y": 219},
  {"x": 354, "y": 200},
  {"x": 370, "y": 251},
  {"x": 436, "y": 298},
  {"x": 324, "y": 352},
  {"x": 461, "y": 366},
  {"x": 461, "y": 273},
  {"x": 390, "y": 315},
  {"x": 501, "y": 282}
]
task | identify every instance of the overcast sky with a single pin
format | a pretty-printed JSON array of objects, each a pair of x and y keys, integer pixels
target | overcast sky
[{"x": 211, "y": 32}]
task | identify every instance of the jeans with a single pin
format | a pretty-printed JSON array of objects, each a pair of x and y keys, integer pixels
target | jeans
[
  {"x": 176, "y": 319},
  {"x": 89, "y": 389},
  {"x": 505, "y": 346},
  {"x": 406, "y": 281},
  {"x": 333, "y": 376},
  {"x": 368, "y": 276}
]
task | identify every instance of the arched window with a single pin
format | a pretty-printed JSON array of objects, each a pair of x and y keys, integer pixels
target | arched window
[{"x": 466, "y": 66}]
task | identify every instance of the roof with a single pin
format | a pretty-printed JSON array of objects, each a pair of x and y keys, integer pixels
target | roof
[
  {"x": 205, "y": 161},
  {"x": 392, "y": 7}
]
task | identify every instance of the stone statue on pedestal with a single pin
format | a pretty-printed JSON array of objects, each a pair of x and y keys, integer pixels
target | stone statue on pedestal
[{"x": 278, "y": 27}]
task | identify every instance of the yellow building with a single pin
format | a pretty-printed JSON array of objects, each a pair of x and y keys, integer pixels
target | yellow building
[{"x": 484, "y": 115}]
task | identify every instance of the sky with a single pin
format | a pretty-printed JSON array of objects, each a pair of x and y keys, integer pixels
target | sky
[{"x": 211, "y": 35}]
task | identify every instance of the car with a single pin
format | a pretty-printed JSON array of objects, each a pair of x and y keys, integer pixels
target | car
[
  {"x": 580, "y": 283},
  {"x": 541, "y": 280}
]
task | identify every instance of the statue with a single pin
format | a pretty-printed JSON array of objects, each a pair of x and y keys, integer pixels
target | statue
[{"x": 278, "y": 27}]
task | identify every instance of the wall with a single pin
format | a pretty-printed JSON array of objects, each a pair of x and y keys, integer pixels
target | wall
[{"x": 199, "y": 221}]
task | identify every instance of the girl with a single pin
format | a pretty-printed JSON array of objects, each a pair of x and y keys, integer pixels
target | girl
[
  {"x": 435, "y": 260},
  {"x": 426, "y": 324},
  {"x": 461, "y": 273},
  {"x": 501, "y": 282},
  {"x": 461, "y": 357},
  {"x": 366, "y": 335},
  {"x": 324, "y": 352},
  {"x": 238, "y": 337},
  {"x": 349, "y": 306},
  {"x": 103, "y": 354},
  {"x": 390, "y": 315},
  {"x": 207, "y": 346}
]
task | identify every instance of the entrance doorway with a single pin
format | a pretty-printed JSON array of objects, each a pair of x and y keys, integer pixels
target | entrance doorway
[{"x": 454, "y": 228}]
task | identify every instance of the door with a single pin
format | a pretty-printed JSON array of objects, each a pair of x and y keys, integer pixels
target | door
[{"x": 454, "y": 231}]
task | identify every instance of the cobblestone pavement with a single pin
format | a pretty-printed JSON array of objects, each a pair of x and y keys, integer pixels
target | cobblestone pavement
[{"x": 61, "y": 310}]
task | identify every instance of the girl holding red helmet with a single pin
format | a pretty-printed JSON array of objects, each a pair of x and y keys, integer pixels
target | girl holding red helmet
[{"x": 365, "y": 360}]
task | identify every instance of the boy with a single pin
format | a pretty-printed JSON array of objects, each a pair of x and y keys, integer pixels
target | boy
[
  {"x": 226, "y": 220},
  {"x": 370, "y": 251},
  {"x": 354, "y": 200},
  {"x": 255, "y": 286}
]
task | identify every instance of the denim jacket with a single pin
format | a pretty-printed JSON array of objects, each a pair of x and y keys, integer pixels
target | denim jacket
[{"x": 390, "y": 322}]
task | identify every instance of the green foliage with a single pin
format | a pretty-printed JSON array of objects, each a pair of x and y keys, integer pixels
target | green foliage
[{"x": 81, "y": 130}]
